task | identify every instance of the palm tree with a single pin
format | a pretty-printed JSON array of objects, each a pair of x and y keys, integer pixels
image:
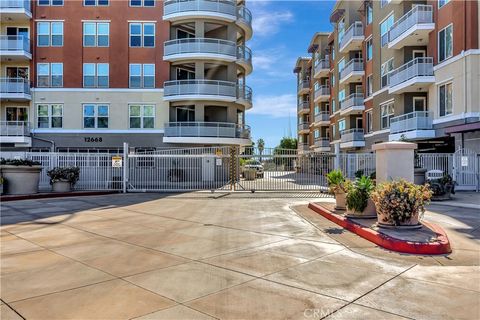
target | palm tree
[{"x": 261, "y": 147}]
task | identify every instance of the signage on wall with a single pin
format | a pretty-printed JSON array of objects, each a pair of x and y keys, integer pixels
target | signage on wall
[
  {"x": 464, "y": 161},
  {"x": 116, "y": 162}
]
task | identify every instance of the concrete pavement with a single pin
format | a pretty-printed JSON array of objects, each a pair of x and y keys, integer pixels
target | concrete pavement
[{"x": 211, "y": 256}]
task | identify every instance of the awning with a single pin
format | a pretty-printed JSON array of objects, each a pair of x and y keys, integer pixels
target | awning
[
  {"x": 467, "y": 127},
  {"x": 337, "y": 14}
]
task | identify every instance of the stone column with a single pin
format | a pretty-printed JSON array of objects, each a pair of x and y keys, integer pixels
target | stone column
[{"x": 394, "y": 160}]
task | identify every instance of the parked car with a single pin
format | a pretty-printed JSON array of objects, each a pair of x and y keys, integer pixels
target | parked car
[{"x": 255, "y": 165}]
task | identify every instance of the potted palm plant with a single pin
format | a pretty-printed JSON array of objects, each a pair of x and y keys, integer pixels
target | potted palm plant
[
  {"x": 359, "y": 203},
  {"x": 339, "y": 186},
  {"x": 400, "y": 204},
  {"x": 23, "y": 175},
  {"x": 63, "y": 179}
]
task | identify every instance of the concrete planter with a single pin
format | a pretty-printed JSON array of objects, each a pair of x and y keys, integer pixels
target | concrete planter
[
  {"x": 419, "y": 176},
  {"x": 340, "y": 199},
  {"x": 21, "y": 179},
  {"x": 412, "y": 223},
  {"x": 61, "y": 186},
  {"x": 368, "y": 213}
]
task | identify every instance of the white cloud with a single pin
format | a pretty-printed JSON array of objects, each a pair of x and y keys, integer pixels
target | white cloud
[
  {"x": 280, "y": 106},
  {"x": 267, "y": 21}
]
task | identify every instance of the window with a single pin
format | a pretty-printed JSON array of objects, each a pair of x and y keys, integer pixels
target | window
[
  {"x": 333, "y": 54},
  {"x": 142, "y": 35},
  {"x": 341, "y": 125},
  {"x": 369, "y": 13},
  {"x": 384, "y": 28},
  {"x": 369, "y": 85},
  {"x": 445, "y": 99},
  {"x": 341, "y": 65},
  {"x": 383, "y": 3},
  {"x": 142, "y": 116},
  {"x": 445, "y": 43},
  {"x": 419, "y": 104},
  {"x": 441, "y": 3},
  {"x": 88, "y": 3},
  {"x": 385, "y": 72},
  {"x": 50, "y": 34},
  {"x": 368, "y": 116},
  {"x": 50, "y": 2},
  {"x": 316, "y": 109},
  {"x": 369, "y": 49},
  {"x": 186, "y": 114},
  {"x": 50, "y": 74},
  {"x": 142, "y": 3},
  {"x": 17, "y": 114},
  {"x": 387, "y": 111},
  {"x": 95, "y": 116},
  {"x": 316, "y": 134},
  {"x": 334, "y": 106},
  {"x": 50, "y": 116},
  {"x": 341, "y": 96},
  {"x": 142, "y": 75},
  {"x": 96, "y": 75},
  {"x": 333, "y": 79},
  {"x": 341, "y": 30},
  {"x": 334, "y": 129},
  {"x": 96, "y": 34}
]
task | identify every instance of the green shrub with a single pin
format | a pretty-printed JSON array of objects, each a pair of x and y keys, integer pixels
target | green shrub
[
  {"x": 357, "y": 197},
  {"x": 337, "y": 182},
  {"x": 70, "y": 174},
  {"x": 19, "y": 162}
]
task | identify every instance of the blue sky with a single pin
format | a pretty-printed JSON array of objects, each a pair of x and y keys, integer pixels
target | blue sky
[{"x": 282, "y": 32}]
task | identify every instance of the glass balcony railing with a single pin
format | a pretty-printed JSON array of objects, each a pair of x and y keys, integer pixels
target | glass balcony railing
[
  {"x": 14, "y": 86},
  {"x": 15, "y": 4},
  {"x": 303, "y": 126},
  {"x": 352, "y": 135},
  {"x": 14, "y": 129},
  {"x": 14, "y": 43},
  {"x": 322, "y": 116},
  {"x": 304, "y": 84},
  {"x": 207, "y": 129},
  {"x": 322, "y": 91},
  {"x": 355, "y": 30},
  {"x": 200, "y": 46},
  {"x": 322, "y": 64},
  {"x": 417, "y": 67},
  {"x": 417, "y": 120},
  {"x": 353, "y": 100},
  {"x": 303, "y": 106},
  {"x": 418, "y": 15},
  {"x": 354, "y": 65}
]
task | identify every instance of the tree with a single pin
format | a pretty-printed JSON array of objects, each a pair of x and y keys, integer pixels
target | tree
[
  {"x": 261, "y": 147},
  {"x": 288, "y": 143},
  {"x": 281, "y": 156}
]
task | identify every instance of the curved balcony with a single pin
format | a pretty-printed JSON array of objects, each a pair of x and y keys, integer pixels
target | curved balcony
[
  {"x": 199, "y": 48},
  {"x": 174, "y": 10},
  {"x": 244, "y": 58},
  {"x": 200, "y": 89},
  {"x": 206, "y": 132},
  {"x": 244, "y": 21}
]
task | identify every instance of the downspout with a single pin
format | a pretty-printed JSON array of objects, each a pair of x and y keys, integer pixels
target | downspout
[{"x": 464, "y": 68}]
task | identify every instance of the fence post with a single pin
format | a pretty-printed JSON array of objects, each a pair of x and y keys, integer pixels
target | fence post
[
  {"x": 336, "y": 164},
  {"x": 125, "y": 167},
  {"x": 233, "y": 167}
]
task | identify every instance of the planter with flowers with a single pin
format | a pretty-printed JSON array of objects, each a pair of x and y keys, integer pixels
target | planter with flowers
[
  {"x": 359, "y": 203},
  {"x": 339, "y": 186},
  {"x": 63, "y": 179},
  {"x": 23, "y": 175},
  {"x": 442, "y": 188},
  {"x": 400, "y": 204}
]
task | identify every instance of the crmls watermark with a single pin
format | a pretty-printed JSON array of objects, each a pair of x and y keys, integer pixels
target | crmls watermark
[{"x": 317, "y": 313}]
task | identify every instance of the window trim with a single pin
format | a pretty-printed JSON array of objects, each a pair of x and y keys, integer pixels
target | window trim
[
  {"x": 142, "y": 5},
  {"x": 49, "y": 115},
  {"x": 96, "y": 34},
  {"x": 50, "y": 4},
  {"x": 142, "y": 106},
  {"x": 389, "y": 116},
  {"x": 438, "y": 44},
  {"x": 369, "y": 121},
  {"x": 95, "y": 115},
  {"x": 142, "y": 34},
  {"x": 96, "y": 4},
  {"x": 95, "y": 75},
  {"x": 424, "y": 99},
  {"x": 444, "y": 84},
  {"x": 441, "y": 6},
  {"x": 50, "y": 74}
]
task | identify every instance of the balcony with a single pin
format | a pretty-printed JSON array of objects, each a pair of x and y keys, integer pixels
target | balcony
[
  {"x": 16, "y": 132},
  {"x": 224, "y": 10},
  {"x": 15, "y": 89},
  {"x": 322, "y": 119},
  {"x": 353, "y": 104},
  {"x": 412, "y": 29},
  {"x": 353, "y": 38},
  {"x": 15, "y": 48},
  {"x": 322, "y": 68},
  {"x": 352, "y": 72},
  {"x": 207, "y": 133},
  {"x": 412, "y": 126},
  {"x": 244, "y": 58},
  {"x": 322, "y": 93},
  {"x": 303, "y": 127},
  {"x": 303, "y": 147},
  {"x": 322, "y": 144},
  {"x": 303, "y": 87},
  {"x": 199, "y": 48},
  {"x": 303, "y": 107},
  {"x": 414, "y": 76},
  {"x": 15, "y": 11},
  {"x": 352, "y": 138},
  {"x": 201, "y": 89}
]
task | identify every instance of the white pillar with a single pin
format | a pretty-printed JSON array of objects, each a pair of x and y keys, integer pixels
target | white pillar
[{"x": 394, "y": 160}]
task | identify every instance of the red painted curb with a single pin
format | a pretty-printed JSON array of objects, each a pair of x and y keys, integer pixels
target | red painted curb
[
  {"x": 442, "y": 246},
  {"x": 53, "y": 195}
]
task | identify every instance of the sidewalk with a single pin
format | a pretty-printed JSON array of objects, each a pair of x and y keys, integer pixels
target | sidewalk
[{"x": 462, "y": 199}]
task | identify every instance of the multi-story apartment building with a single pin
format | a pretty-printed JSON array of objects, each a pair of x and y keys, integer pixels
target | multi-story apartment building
[
  {"x": 92, "y": 74},
  {"x": 404, "y": 70}
]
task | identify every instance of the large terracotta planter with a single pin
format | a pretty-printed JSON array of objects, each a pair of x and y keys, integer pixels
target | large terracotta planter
[
  {"x": 61, "y": 186},
  {"x": 21, "y": 179},
  {"x": 369, "y": 211},
  {"x": 340, "y": 201},
  {"x": 412, "y": 223}
]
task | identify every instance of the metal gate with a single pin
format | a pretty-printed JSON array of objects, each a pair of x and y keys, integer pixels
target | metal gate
[{"x": 465, "y": 169}]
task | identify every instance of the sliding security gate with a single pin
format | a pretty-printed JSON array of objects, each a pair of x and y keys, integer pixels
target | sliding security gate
[{"x": 465, "y": 169}]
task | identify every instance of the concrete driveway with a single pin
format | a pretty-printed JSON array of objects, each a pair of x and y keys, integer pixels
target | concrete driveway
[{"x": 204, "y": 256}]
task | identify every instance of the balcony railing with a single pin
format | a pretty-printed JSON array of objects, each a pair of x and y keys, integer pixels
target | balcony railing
[
  {"x": 322, "y": 91},
  {"x": 352, "y": 135},
  {"x": 303, "y": 146},
  {"x": 355, "y": 30},
  {"x": 303, "y": 126},
  {"x": 200, "y": 45},
  {"x": 173, "y": 7},
  {"x": 245, "y": 93},
  {"x": 322, "y": 64},
  {"x": 201, "y": 87},
  {"x": 15, "y": 4},
  {"x": 304, "y": 84},
  {"x": 417, "y": 120},
  {"x": 419, "y": 14},
  {"x": 418, "y": 67},
  {"x": 303, "y": 106},
  {"x": 207, "y": 129},
  {"x": 353, "y": 100},
  {"x": 322, "y": 116},
  {"x": 14, "y": 43},
  {"x": 14, "y": 86},
  {"x": 244, "y": 53},
  {"x": 322, "y": 142},
  {"x": 244, "y": 15},
  {"x": 14, "y": 128},
  {"x": 353, "y": 65}
]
